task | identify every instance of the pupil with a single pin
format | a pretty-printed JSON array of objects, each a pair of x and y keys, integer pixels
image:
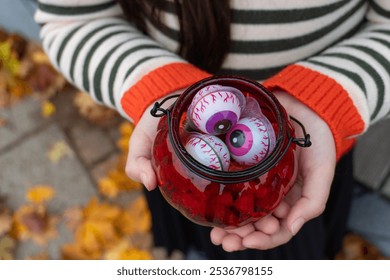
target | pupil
[
  {"x": 237, "y": 138},
  {"x": 223, "y": 126}
]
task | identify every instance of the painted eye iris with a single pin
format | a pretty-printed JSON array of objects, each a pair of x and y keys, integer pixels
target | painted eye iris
[
  {"x": 239, "y": 140},
  {"x": 215, "y": 109},
  {"x": 221, "y": 122},
  {"x": 248, "y": 141}
]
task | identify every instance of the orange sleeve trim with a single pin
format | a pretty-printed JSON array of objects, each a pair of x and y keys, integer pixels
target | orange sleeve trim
[
  {"x": 326, "y": 97},
  {"x": 157, "y": 84}
]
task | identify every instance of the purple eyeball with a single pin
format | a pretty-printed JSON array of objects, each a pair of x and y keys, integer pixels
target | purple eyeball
[
  {"x": 215, "y": 109},
  {"x": 208, "y": 150},
  {"x": 248, "y": 141}
]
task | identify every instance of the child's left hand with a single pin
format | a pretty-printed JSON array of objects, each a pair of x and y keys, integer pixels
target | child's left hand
[{"x": 307, "y": 198}]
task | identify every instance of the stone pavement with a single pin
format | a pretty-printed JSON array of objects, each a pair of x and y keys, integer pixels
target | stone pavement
[{"x": 25, "y": 141}]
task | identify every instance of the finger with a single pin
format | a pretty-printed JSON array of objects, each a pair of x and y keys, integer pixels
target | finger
[
  {"x": 242, "y": 231},
  {"x": 315, "y": 192},
  {"x": 217, "y": 235},
  {"x": 268, "y": 225},
  {"x": 231, "y": 243},
  {"x": 282, "y": 210},
  {"x": 260, "y": 240}
]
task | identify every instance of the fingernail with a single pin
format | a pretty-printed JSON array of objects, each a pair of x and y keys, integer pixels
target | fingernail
[
  {"x": 144, "y": 179},
  {"x": 296, "y": 225}
]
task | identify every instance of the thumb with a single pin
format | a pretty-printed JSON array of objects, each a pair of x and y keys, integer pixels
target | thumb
[
  {"x": 311, "y": 204},
  {"x": 139, "y": 165}
]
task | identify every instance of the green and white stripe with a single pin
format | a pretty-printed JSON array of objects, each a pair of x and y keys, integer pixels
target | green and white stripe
[{"x": 103, "y": 54}]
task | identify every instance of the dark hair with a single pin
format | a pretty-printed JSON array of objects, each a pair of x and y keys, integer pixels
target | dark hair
[{"x": 204, "y": 27}]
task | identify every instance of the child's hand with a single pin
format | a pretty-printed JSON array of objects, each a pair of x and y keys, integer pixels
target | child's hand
[
  {"x": 305, "y": 201},
  {"x": 139, "y": 160}
]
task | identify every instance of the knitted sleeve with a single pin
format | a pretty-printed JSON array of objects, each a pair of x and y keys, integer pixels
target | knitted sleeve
[
  {"x": 348, "y": 84},
  {"x": 91, "y": 44}
]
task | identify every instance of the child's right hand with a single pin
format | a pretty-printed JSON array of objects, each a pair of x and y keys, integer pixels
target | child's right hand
[{"x": 139, "y": 160}]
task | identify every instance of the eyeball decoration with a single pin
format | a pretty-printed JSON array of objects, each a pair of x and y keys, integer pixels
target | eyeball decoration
[
  {"x": 215, "y": 109},
  {"x": 250, "y": 141},
  {"x": 208, "y": 150}
]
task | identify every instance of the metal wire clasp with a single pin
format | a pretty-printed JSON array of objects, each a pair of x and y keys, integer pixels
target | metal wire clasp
[
  {"x": 302, "y": 142},
  {"x": 157, "y": 111}
]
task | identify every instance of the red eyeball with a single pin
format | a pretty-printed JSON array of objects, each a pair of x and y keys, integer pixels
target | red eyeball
[
  {"x": 249, "y": 141},
  {"x": 208, "y": 150},
  {"x": 215, "y": 109}
]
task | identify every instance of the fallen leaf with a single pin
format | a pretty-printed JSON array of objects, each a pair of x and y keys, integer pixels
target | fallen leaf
[
  {"x": 73, "y": 217},
  {"x": 2, "y": 122},
  {"x": 75, "y": 252},
  {"x": 34, "y": 222},
  {"x": 58, "y": 151},
  {"x": 136, "y": 218},
  {"x": 7, "y": 245},
  {"x": 40, "y": 193},
  {"x": 8, "y": 59},
  {"x": 5, "y": 222},
  {"x": 39, "y": 257},
  {"x": 108, "y": 187},
  {"x": 96, "y": 113},
  {"x": 48, "y": 109}
]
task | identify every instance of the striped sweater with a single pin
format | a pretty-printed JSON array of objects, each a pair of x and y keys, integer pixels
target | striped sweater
[{"x": 333, "y": 55}]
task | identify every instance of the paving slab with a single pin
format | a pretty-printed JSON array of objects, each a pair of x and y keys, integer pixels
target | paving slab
[
  {"x": 20, "y": 120},
  {"x": 92, "y": 143},
  {"x": 28, "y": 164}
]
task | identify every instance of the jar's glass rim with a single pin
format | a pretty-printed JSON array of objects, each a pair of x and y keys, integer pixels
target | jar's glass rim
[{"x": 283, "y": 139}]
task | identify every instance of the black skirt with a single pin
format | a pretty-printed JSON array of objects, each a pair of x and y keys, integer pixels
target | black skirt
[{"x": 319, "y": 238}]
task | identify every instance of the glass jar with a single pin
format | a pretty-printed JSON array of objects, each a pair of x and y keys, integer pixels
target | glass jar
[{"x": 233, "y": 197}]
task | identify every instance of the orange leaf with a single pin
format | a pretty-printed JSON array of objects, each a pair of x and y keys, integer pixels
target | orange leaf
[
  {"x": 48, "y": 109},
  {"x": 40, "y": 193},
  {"x": 108, "y": 188}
]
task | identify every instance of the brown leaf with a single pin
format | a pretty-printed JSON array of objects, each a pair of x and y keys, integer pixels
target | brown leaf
[
  {"x": 73, "y": 217},
  {"x": 97, "y": 114},
  {"x": 7, "y": 245},
  {"x": 5, "y": 222},
  {"x": 34, "y": 222}
]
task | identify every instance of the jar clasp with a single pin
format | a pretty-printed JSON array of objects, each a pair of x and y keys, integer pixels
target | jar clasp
[
  {"x": 157, "y": 111},
  {"x": 302, "y": 142}
]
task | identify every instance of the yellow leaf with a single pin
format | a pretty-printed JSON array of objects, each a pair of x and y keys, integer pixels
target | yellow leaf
[
  {"x": 137, "y": 218},
  {"x": 108, "y": 188},
  {"x": 124, "y": 250},
  {"x": 100, "y": 211},
  {"x": 135, "y": 254},
  {"x": 8, "y": 59},
  {"x": 75, "y": 252},
  {"x": 7, "y": 245},
  {"x": 96, "y": 236},
  {"x": 58, "y": 151},
  {"x": 48, "y": 109},
  {"x": 126, "y": 129},
  {"x": 40, "y": 57},
  {"x": 40, "y": 193}
]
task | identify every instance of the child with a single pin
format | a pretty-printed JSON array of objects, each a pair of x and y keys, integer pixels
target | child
[{"x": 328, "y": 62}]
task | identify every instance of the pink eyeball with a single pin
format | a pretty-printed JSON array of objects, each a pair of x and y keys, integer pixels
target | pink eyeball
[
  {"x": 215, "y": 109},
  {"x": 208, "y": 150},
  {"x": 248, "y": 141}
]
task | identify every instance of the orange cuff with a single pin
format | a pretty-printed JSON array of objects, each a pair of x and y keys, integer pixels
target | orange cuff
[
  {"x": 157, "y": 84},
  {"x": 324, "y": 96}
]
